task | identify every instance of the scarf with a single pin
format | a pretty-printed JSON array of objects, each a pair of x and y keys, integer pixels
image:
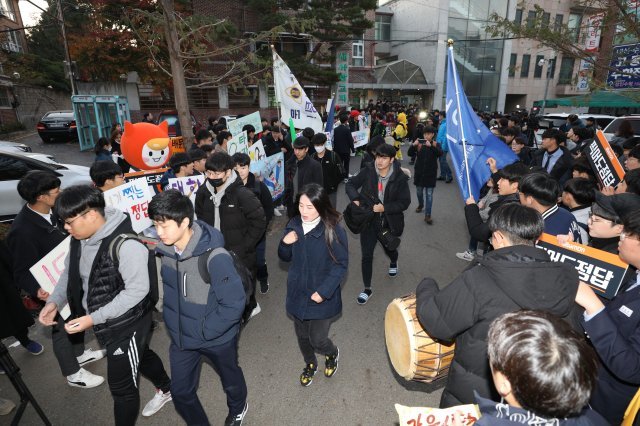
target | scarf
[{"x": 216, "y": 197}]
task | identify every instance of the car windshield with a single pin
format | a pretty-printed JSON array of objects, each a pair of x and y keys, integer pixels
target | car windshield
[
  {"x": 615, "y": 125},
  {"x": 171, "y": 119},
  {"x": 58, "y": 115}
]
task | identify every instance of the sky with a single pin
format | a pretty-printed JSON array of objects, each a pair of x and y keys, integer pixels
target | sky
[{"x": 30, "y": 13}]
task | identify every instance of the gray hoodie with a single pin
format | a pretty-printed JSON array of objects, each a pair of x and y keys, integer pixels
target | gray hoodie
[{"x": 132, "y": 268}]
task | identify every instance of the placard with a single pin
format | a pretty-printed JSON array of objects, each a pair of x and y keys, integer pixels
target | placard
[
  {"x": 47, "y": 271},
  {"x": 256, "y": 151},
  {"x": 187, "y": 185},
  {"x": 360, "y": 138},
  {"x": 235, "y": 126},
  {"x": 239, "y": 143},
  {"x": 177, "y": 144},
  {"x": 467, "y": 414},
  {"x": 601, "y": 270},
  {"x": 152, "y": 177},
  {"x": 132, "y": 198},
  {"x": 604, "y": 161},
  {"x": 271, "y": 171}
]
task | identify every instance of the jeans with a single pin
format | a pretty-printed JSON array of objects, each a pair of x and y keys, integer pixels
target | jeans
[
  {"x": 425, "y": 198},
  {"x": 445, "y": 170},
  {"x": 368, "y": 241},
  {"x": 185, "y": 370},
  {"x": 313, "y": 336},
  {"x": 262, "y": 273}
]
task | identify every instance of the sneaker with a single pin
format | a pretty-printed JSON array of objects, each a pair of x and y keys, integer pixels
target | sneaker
[
  {"x": 307, "y": 374},
  {"x": 84, "y": 379},
  {"x": 34, "y": 347},
  {"x": 364, "y": 296},
  {"x": 237, "y": 419},
  {"x": 277, "y": 213},
  {"x": 428, "y": 219},
  {"x": 419, "y": 209},
  {"x": 156, "y": 403},
  {"x": 6, "y": 406},
  {"x": 90, "y": 356},
  {"x": 255, "y": 311},
  {"x": 264, "y": 287},
  {"x": 331, "y": 363},
  {"x": 465, "y": 255},
  {"x": 393, "y": 269}
]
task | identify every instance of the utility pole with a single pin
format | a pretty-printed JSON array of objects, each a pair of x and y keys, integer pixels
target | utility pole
[{"x": 66, "y": 47}]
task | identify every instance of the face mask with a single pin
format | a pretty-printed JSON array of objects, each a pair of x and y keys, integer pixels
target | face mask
[
  {"x": 216, "y": 182},
  {"x": 319, "y": 148}
]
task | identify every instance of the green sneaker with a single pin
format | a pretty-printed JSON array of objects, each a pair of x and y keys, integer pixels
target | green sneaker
[
  {"x": 331, "y": 363},
  {"x": 307, "y": 374}
]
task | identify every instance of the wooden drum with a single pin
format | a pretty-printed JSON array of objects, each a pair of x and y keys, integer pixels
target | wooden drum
[{"x": 413, "y": 353}]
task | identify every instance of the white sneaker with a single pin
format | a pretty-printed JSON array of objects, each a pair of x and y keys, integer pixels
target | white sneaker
[
  {"x": 84, "y": 379},
  {"x": 255, "y": 311},
  {"x": 90, "y": 355},
  {"x": 466, "y": 255},
  {"x": 156, "y": 403}
]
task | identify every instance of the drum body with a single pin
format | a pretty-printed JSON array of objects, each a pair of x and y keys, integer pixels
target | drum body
[{"x": 413, "y": 353}]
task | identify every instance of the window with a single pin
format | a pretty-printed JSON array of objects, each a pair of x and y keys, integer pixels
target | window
[
  {"x": 512, "y": 65},
  {"x": 575, "y": 20},
  {"x": 546, "y": 18},
  {"x": 6, "y": 9},
  {"x": 524, "y": 69},
  {"x": 552, "y": 67},
  {"x": 12, "y": 168},
  {"x": 557, "y": 24},
  {"x": 537, "y": 71},
  {"x": 518, "y": 19},
  {"x": 383, "y": 27},
  {"x": 531, "y": 19},
  {"x": 12, "y": 41},
  {"x": 566, "y": 71},
  {"x": 357, "y": 54}
]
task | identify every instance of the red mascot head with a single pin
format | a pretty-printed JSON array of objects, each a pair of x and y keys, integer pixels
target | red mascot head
[{"x": 146, "y": 146}]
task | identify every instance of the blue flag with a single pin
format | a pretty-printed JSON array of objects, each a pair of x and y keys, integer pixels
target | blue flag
[
  {"x": 330, "y": 116},
  {"x": 466, "y": 132}
]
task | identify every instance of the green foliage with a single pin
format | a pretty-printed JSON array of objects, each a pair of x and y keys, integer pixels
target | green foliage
[{"x": 36, "y": 70}]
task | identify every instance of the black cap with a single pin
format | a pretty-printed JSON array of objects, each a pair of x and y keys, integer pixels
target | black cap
[
  {"x": 301, "y": 142},
  {"x": 179, "y": 159},
  {"x": 619, "y": 205}
]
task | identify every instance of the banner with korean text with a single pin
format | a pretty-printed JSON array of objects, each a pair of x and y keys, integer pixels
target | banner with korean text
[
  {"x": 235, "y": 126},
  {"x": 151, "y": 176},
  {"x": 187, "y": 185},
  {"x": 47, "y": 271},
  {"x": 132, "y": 198},
  {"x": 604, "y": 161}
]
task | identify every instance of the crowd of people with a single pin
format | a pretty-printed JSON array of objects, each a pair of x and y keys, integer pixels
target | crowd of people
[{"x": 212, "y": 255}]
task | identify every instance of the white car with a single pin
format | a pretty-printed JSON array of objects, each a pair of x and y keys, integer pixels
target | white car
[
  {"x": 557, "y": 120},
  {"x": 612, "y": 128},
  {"x": 14, "y": 147},
  {"x": 14, "y": 165}
]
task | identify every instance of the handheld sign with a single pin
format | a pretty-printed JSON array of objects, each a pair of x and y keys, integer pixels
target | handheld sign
[
  {"x": 187, "y": 185},
  {"x": 152, "y": 176},
  {"x": 235, "y": 126},
  {"x": 133, "y": 198},
  {"x": 360, "y": 138},
  {"x": 424, "y": 416},
  {"x": 47, "y": 271},
  {"x": 239, "y": 143},
  {"x": 604, "y": 161},
  {"x": 601, "y": 270}
]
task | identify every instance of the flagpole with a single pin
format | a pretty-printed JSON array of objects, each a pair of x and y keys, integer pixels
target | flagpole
[{"x": 464, "y": 141}]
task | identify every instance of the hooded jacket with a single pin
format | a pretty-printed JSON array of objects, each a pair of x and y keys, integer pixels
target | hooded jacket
[
  {"x": 198, "y": 314},
  {"x": 505, "y": 280}
]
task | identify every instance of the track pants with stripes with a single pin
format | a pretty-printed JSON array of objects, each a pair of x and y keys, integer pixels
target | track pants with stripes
[{"x": 128, "y": 355}]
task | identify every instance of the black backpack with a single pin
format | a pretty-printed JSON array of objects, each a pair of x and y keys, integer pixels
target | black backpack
[{"x": 243, "y": 271}]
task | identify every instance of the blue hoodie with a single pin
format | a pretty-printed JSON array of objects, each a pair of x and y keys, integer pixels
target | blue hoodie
[
  {"x": 442, "y": 136},
  {"x": 198, "y": 314}
]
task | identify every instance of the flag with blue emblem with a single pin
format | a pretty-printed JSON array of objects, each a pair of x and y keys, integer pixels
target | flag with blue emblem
[{"x": 470, "y": 142}]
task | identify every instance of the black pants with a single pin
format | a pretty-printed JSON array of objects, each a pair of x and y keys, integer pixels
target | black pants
[
  {"x": 66, "y": 347},
  {"x": 313, "y": 336},
  {"x": 368, "y": 241},
  {"x": 128, "y": 355},
  {"x": 346, "y": 158}
]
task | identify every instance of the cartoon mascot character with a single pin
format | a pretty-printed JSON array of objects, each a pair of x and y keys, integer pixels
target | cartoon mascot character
[{"x": 146, "y": 146}]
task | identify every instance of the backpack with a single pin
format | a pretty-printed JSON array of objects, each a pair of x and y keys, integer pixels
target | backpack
[
  {"x": 152, "y": 262},
  {"x": 243, "y": 271}
]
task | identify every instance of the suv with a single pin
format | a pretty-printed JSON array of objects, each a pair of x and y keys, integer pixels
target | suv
[
  {"x": 612, "y": 128},
  {"x": 171, "y": 117},
  {"x": 57, "y": 126},
  {"x": 557, "y": 120}
]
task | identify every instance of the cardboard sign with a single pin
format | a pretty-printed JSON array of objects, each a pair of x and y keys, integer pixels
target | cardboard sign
[
  {"x": 424, "y": 416},
  {"x": 360, "y": 138},
  {"x": 187, "y": 185},
  {"x": 604, "y": 161},
  {"x": 256, "y": 152},
  {"x": 152, "y": 176},
  {"x": 47, "y": 271},
  {"x": 239, "y": 143},
  {"x": 235, "y": 126},
  {"x": 132, "y": 198},
  {"x": 601, "y": 270}
]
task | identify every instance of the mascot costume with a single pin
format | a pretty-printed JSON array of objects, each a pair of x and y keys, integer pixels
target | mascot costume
[{"x": 146, "y": 146}]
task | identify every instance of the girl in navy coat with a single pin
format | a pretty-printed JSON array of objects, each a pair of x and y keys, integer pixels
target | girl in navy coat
[{"x": 316, "y": 246}]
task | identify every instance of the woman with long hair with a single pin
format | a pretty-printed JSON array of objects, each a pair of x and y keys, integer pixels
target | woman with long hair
[{"x": 316, "y": 245}]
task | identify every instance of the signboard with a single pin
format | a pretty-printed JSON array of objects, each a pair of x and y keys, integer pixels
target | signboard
[
  {"x": 133, "y": 198},
  {"x": 152, "y": 176},
  {"x": 604, "y": 161},
  {"x": 625, "y": 67},
  {"x": 601, "y": 270},
  {"x": 459, "y": 415},
  {"x": 235, "y": 126},
  {"x": 593, "y": 31},
  {"x": 187, "y": 185},
  {"x": 342, "y": 68},
  {"x": 256, "y": 151},
  {"x": 273, "y": 174},
  {"x": 360, "y": 138},
  {"x": 239, "y": 143},
  {"x": 177, "y": 144},
  {"x": 47, "y": 271}
]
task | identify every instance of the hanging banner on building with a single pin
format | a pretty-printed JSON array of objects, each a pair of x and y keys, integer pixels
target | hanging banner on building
[
  {"x": 132, "y": 198},
  {"x": 152, "y": 176},
  {"x": 47, "y": 271},
  {"x": 593, "y": 31},
  {"x": 235, "y": 126},
  {"x": 294, "y": 103},
  {"x": 601, "y": 270},
  {"x": 584, "y": 74},
  {"x": 342, "y": 68},
  {"x": 625, "y": 67},
  {"x": 239, "y": 143},
  {"x": 604, "y": 161}
]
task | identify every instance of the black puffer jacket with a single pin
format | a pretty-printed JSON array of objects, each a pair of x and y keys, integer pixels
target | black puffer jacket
[
  {"x": 426, "y": 165},
  {"x": 505, "y": 280},
  {"x": 242, "y": 219}
]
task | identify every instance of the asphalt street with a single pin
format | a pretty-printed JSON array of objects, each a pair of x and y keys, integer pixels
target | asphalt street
[{"x": 363, "y": 391}]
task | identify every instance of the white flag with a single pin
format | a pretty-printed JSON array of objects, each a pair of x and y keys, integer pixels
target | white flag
[{"x": 294, "y": 103}]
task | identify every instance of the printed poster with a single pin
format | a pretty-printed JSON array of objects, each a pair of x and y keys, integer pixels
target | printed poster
[
  {"x": 47, "y": 271},
  {"x": 235, "y": 126}
]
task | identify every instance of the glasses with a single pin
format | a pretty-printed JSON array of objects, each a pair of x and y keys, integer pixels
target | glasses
[
  {"x": 597, "y": 219},
  {"x": 69, "y": 222},
  {"x": 625, "y": 235}
]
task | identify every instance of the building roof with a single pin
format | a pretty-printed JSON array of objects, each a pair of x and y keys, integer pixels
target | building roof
[
  {"x": 400, "y": 74},
  {"x": 384, "y": 10}
]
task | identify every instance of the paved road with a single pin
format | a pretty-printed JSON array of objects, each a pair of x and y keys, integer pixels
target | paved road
[{"x": 362, "y": 392}]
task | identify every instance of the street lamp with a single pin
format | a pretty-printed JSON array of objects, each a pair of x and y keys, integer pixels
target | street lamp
[{"x": 550, "y": 63}]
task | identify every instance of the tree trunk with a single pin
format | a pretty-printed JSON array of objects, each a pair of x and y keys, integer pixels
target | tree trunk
[
  {"x": 177, "y": 70},
  {"x": 603, "y": 61}
]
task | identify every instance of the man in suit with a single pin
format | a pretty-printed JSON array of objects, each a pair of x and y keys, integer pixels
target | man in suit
[
  {"x": 554, "y": 157},
  {"x": 343, "y": 142}
]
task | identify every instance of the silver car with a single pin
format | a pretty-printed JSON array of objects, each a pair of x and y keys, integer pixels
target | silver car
[
  {"x": 14, "y": 146},
  {"x": 14, "y": 165}
]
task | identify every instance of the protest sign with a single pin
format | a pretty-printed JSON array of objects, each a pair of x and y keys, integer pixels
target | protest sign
[
  {"x": 239, "y": 143},
  {"x": 47, "y": 271},
  {"x": 604, "y": 161},
  {"x": 152, "y": 177},
  {"x": 360, "y": 138},
  {"x": 235, "y": 126},
  {"x": 424, "y": 416},
  {"x": 601, "y": 270},
  {"x": 256, "y": 151},
  {"x": 187, "y": 185},
  {"x": 133, "y": 198},
  {"x": 177, "y": 144},
  {"x": 273, "y": 174}
]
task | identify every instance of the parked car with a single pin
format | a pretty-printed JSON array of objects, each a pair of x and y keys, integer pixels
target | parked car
[
  {"x": 57, "y": 126},
  {"x": 14, "y": 165},
  {"x": 557, "y": 120},
  {"x": 14, "y": 147},
  {"x": 171, "y": 117},
  {"x": 612, "y": 128}
]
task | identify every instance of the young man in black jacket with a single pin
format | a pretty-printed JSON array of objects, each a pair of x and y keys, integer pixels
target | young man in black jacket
[
  {"x": 554, "y": 157},
  {"x": 343, "y": 142},
  {"x": 383, "y": 187},
  {"x": 425, "y": 152},
  {"x": 299, "y": 170},
  {"x": 224, "y": 203},
  {"x": 332, "y": 168}
]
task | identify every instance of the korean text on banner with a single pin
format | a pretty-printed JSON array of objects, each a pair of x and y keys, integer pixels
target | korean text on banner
[
  {"x": 605, "y": 161},
  {"x": 239, "y": 143},
  {"x": 47, "y": 271},
  {"x": 601, "y": 270},
  {"x": 360, "y": 138},
  {"x": 187, "y": 185},
  {"x": 151, "y": 176},
  {"x": 235, "y": 126},
  {"x": 256, "y": 152},
  {"x": 133, "y": 198},
  {"x": 467, "y": 415}
]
